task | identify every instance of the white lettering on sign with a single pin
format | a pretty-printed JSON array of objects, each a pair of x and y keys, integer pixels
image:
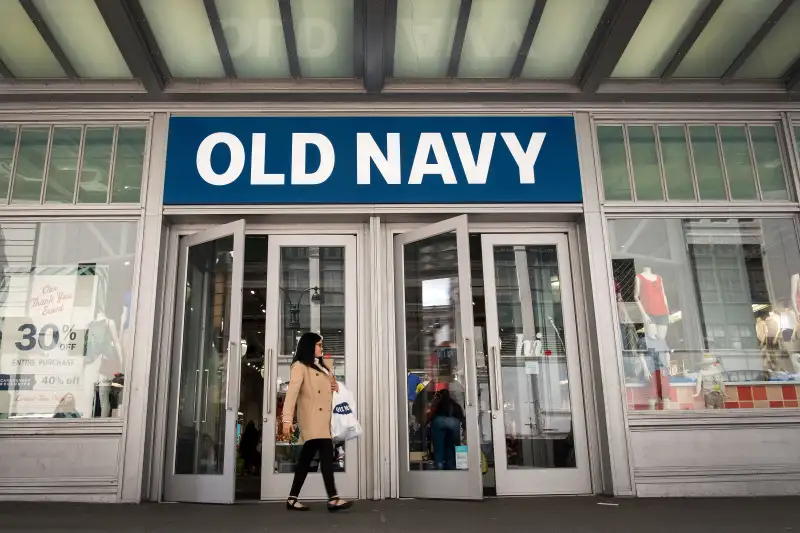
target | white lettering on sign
[
  {"x": 236, "y": 165},
  {"x": 367, "y": 151},
  {"x": 430, "y": 147},
  {"x": 431, "y": 142},
  {"x": 525, "y": 158},
  {"x": 327, "y": 158},
  {"x": 258, "y": 176}
]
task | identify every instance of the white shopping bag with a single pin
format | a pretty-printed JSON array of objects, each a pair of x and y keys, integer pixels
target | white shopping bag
[{"x": 344, "y": 423}]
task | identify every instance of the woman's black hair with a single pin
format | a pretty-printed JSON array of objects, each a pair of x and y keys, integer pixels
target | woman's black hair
[{"x": 306, "y": 349}]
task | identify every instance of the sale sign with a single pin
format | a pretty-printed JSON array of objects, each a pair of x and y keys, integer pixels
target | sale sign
[{"x": 41, "y": 358}]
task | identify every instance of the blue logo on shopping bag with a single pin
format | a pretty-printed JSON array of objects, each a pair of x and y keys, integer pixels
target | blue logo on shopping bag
[{"x": 343, "y": 409}]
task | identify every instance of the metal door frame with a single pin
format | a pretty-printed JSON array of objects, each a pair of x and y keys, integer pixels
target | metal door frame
[
  {"x": 276, "y": 486},
  {"x": 206, "y": 488},
  {"x": 464, "y": 484},
  {"x": 537, "y": 481}
]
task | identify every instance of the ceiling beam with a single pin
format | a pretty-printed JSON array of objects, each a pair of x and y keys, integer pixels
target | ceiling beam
[
  {"x": 49, "y": 38},
  {"x": 792, "y": 76},
  {"x": 612, "y": 35},
  {"x": 756, "y": 39},
  {"x": 458, "y": 38},
  {"x": 136, "y": 42},
  {"x": 219, "y": 38},
  {"x": 289, "y": 37},
  {"x": 359, "y": 14},
  {"x": 527, "y": 38},
  {"x": 5, "y": 72},
  {"x": 688, "y": 41},
  {"x": 380, "y": 21}
]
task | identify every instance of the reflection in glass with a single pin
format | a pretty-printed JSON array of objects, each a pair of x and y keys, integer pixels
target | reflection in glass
[
  {"x": 8, "y": 137},
  {"x": 200, "y": 443},
  {"x": 312, "y": 298},
  {"x": 29, "y": 171},
  {"x": 769, "y": 163},
  {"x": 707, "y": 164},
  {"x": 63, "y": 170},
  {"x": 68, "y": 359},
  {"x": 96, "y": 166},
  {"x": 708, "y": 312},
  {"x": 738, "y": 163},
  {"x": 644, "y": 159},
  {"x": 535, "y": 381},
  {"x": 435, "y": 363},
  {"x": 613, "y": 162},
  {"x": 128, "y": 165}
]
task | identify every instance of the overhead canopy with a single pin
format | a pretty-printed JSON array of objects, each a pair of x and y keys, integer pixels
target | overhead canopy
[{"x": 577, "y": 47}]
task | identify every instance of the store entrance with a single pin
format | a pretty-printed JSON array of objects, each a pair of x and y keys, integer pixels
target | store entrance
[
  {"x": 487, "y": 345},
  {"x": 243, "y": 301}
]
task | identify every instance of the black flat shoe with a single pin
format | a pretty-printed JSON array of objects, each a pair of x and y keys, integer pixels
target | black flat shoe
[
  {"x": 337, "y": 504},
  {"x": 293, "y": 505}
]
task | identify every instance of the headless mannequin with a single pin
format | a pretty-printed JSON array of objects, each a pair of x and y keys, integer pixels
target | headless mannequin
[
  {"x": 711, "y": 384},
  {"x": 651, "y": 300},
  {"x": 770, "y": 337},
  {"x": 653, "y": 324},
  {"x": 537, "y": 349},
  {"x": 103, "y": 360},
  {"x": 625, "y": 319}
]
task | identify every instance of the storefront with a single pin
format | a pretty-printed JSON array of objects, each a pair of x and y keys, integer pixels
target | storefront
[{"x": 584, "y": 243}]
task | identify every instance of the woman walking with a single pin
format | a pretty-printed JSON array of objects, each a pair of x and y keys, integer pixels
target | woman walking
[{"x": 310, "y": 393}]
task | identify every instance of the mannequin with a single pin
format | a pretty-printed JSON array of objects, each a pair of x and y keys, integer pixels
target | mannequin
[
  {"x": 711, "y": 383},
  {"x": 102, "y": 359},
  {"x": 795, "y": 283},
  {"x": 769, "y": 332},
  {"x": 652, "y": 302},
  {"x": 795, "y": 359}
]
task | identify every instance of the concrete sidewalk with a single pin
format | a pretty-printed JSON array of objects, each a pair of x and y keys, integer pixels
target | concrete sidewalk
[{"x": 543, "y": 515}]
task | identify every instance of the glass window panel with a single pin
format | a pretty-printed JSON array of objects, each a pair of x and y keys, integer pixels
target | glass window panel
[
  {"x": 644, "y": 159},
  {"x": 303, "y": 309},
  {"x": 82, "y": 33},
  {"x": 424, "y": 40},
  {"x": 254, "y": 34},
  {"x": 769, "y": 162},
  {"x": 613, "y": 163},
  {"x": 493, "y": 38},
  {"x": 183, "y": 33},
  {"x": 128, "y": 165},
  {"x": 707, "y": 309},
  {"x": 738, "y": 164},
  {"x": 29, "y": 171},
  {"x": 707, "y": 164},
  {"x": 778, "y": 51},
  {"x": 530, "y": 316},
  {"x": 726, "y": 34},
  {"x": 66, "y": 360},
  {"x": 657, "y": 38},
  {"x": 677, "y": 168},
  {"x": 8, "y": 138},
  {"x": 432, "y": 292},
  {"x": 556, "y": 53},
  {"x": 22, "y": 48},
  {"x": 63, "y": 169},
  {"x": 324, "y": 32},
  {"x": 93, "y": 184}
]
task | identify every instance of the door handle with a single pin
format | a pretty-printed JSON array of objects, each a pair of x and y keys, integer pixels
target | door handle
[
  {"x": 496, "y": 400},
  {"x": 268, "y": 380},
  {"x": 231, "y": 360},
  {"x": 498, "y": 373},
  {"x": 205, "y": 398},
  {"x": 194, "y": 398},
  {"x": 467, "y": 384}
]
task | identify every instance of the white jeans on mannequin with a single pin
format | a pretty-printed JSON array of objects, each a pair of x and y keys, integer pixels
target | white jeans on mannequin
[{"x": 93, "y": 378}]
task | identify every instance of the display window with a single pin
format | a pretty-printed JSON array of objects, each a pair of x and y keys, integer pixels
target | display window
[
  {"x": 66, "y": 318},
  {"x": 708, "y": 312}
]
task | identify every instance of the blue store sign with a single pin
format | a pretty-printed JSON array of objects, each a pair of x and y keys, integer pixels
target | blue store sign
[{"x": 371, "y": 160}]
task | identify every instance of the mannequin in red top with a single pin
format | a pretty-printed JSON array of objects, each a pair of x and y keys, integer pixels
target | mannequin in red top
[{"x": 652, "y": 302}]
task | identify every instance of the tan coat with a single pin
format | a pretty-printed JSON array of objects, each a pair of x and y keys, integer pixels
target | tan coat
[{"x": 310, "y": 395}]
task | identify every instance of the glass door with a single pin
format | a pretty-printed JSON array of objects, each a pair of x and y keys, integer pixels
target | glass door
[
  {"x": 438, "y": 421},
  {"x": 538, "y": 422},
  {"x": 201, "y": 457},
  {"x": 311, "y": 286}
]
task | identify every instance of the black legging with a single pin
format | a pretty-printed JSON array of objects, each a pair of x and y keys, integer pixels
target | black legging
[{"x": 310, "y": 448}]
